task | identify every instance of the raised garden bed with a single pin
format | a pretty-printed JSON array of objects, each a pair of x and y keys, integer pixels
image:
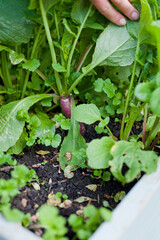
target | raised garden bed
[{"x": 138, "y": 207}]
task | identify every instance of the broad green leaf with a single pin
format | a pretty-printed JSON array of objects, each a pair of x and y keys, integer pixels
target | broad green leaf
[
  {"x": 154, "y": 30},
  {"x": 72, "y": 144},
  {"x": 10, "y": 127},
  {"x": 114, "y": 47},
  {"x": 87, "y": 113},
  {"x": 143, "y": 91},
  {"x": 129, "y": 156},
  {"x": 145, "y": 21},
  {"x": 58, "y": 67},
  {"x": 20, "y": 144},
  {"x": 98, "y": 153},
  {"x": 155, "y": 101},
  {"x": 79, "y": 11},
  {"x": 31, "y": 65},
  {"x": 15, "y": 27}
]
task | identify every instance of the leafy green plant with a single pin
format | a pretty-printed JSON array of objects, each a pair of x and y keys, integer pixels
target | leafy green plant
[
  {"x": 54, "y": 224},
  {"x": 86, "y": 224}
]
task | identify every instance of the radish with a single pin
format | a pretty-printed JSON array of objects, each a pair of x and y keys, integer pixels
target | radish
[{"x": 65, "y": 103}]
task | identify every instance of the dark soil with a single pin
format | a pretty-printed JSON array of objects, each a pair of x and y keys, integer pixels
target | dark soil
[{"x": 53, "y": 180}]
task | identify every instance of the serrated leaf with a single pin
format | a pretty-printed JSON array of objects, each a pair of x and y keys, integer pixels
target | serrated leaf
[
  {"x": 31, "y": 65},
  {"x": 129, "y": 154},
  {"x": 58, "y": 67},
  {"x": 10, "y": 127}
]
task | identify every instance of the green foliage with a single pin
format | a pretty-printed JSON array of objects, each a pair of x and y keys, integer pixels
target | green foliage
[
  {"x": 74, "y": 145},
  {"x": 13, "y": 17},
  {"x": 104, "y": 153},
  {"x": 92, "y": 217},
  {"x": 52, "y": 222},
  {"x": 31, "y": 65},
  {"x": 9, "y": 120}
]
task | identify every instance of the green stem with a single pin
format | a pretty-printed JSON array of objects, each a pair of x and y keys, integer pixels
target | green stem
[
  {"x": 75, "y": 42},
  {"x": 83, "y": 58},
  {"x": 61, "y": 54},
  {"x": 25, "y": 84},
  {"x": 5, "y": 72},
  {"x": 52, "y": 50},
  {"x": 110, "y": 132},
  {"x": 36, "y": 42},
  {"x": 129, "y": 95},
  {"x": 153, "y": 133},
  {"x": 145, "y": 123}
]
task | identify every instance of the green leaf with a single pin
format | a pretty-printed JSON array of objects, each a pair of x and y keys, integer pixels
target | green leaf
[
  {"x": 98, "y": 85},
  {"x": 143, "y": 91},
  {"x": 130, "y": 156},
  {"x": 133, "y": 114},
  {"x": 15, "y": 27},
  {"x": 10, "y": 127},
  {"x": 109, "y": 88},
  {"x": 72, "y": 144},
  {"x": 16, "y": 58},
  {"x": 98, "y": 153},
  {"x": 20, "y": 144},
  {"x": 58, "y": 67},
  {"x": 13, "y": 215},
  {"x": 155, "y": 101},
  {"x": 87, "y": 113},
  {"x": 65, "y": 23},
  {"x": 79, "y": 11},
  {"x": 31, "y": 65},
  {"x": 114, "y": 47}
]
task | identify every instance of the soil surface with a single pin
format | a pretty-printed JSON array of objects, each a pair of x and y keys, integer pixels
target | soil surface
[{"x": 52, "y": 179}]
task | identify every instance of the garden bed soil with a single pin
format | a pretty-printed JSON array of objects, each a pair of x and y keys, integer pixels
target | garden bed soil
[{"x": 52, "y": 179}]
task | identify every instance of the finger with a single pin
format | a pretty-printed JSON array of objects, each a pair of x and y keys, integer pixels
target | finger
[
  {"x": 105, "y": 7},
  {"x": 126, "y": 8}
]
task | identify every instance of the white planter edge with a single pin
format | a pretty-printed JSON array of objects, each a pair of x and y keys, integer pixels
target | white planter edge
[{"x": 136, "y": 217}]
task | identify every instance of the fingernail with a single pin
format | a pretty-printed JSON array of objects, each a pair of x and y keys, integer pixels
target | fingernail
[
  {"x": 135, "y": 15},
  {"x": 122, "y": 21}
]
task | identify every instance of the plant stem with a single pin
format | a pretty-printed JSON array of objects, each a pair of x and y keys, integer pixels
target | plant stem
[
  {"x": 153, "y": 133},
  {"x": 144, "y": 124},
  {"x": 25, "y": 84},
  {"x": 83, "y": 58},
  {"x": 129, "y": 95},
  {"x": 110, "y": 132},
  {"x": 5, "y": 72},
  {"x": 154, "y": 142},
  {"x": 61, "y": 54},
  {"x": 52, "y": 50},
  {"x": 75, "y": 42}
]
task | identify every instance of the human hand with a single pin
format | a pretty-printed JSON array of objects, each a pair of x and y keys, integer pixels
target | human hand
[{"x": 106, "y": 8}]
